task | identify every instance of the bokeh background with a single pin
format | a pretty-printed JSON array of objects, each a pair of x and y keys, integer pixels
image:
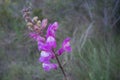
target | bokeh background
[{"x": 94, "y": 28}]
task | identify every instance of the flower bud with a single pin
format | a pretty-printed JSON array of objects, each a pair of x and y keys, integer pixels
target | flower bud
[
  {"x": 35, "y": 19},
  {"x": 29, "y": 24},
  {"x": 38, "y": 23},
  {"x": 44, "y": 23}
]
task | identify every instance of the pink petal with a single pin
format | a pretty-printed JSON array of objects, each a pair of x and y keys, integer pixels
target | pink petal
[
  {"x": 48, "y": 66},
  {"x": 51, "y": 42},
  {"x": 43, "y": 46},
  {"x": 54, "y": 26},
  {"x": 43, "y": 59},
  {"x": 66, "y": 45},
  {"x": 39, "y": 38},
  {"x": 54, "y": 66},
  {"x": 44, "y": 23},
  {"x": 45, "y": 56},
  {"x": 33, "y": 35},
  {"x": 60, "y": 51},
  {"x": 50, "y": 31},
  {"x": 36, "y": 37}
]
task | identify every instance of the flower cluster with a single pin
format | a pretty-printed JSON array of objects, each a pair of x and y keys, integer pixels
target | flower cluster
[{"x": 46, "y": 43}]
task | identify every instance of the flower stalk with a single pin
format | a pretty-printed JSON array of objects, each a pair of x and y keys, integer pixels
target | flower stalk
[
  {"x": 58, "y": 61},
  {"x": 46, "y": 42}
]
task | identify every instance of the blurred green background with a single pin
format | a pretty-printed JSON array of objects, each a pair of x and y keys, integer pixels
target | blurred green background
[{"x": 93, "y": 25}]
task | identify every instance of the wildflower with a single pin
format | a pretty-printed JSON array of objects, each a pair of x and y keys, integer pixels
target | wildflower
[
  {"x": 37, "y": 37},
  {"x": 45, "y": 56},
  {"x": 41, "y": 46},
  {"x": 51, "y": 42},
  {"x": 60, "y": 51},
  {"x": 44, "y": 23},
  {"x": 54, "y": 26},
  {"x": 52, "y": 29},
  {"x": 46, "y": 45},
  {"x": 47, "y": 66},
  {"x": 65, "y": 47}
]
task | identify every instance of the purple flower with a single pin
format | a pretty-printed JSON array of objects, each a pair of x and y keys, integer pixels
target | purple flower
[
  {"x": 45, "y": 56},
  {"x": 44, "y": 23},
  {"x": 36, "y": 37},
  {"x": 47, "y": 44},
  {"x": 50, "y": 32},
  {"x": 40, "y": 45},
  {"x": 54, "y": 26},
  {"x": 33, "y": 35},
  {"x": 60, "y": 51},
  {"x": 65, "y": 47},
  {"x": 52, "y": 29},
  {"x": 51, "y": 42},
  {"x": 43, "y": 46},
  {"x": 47, "y": 66}
]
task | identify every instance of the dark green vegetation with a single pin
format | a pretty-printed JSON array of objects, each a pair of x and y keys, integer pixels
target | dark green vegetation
[{"x": 91, "y": 24}]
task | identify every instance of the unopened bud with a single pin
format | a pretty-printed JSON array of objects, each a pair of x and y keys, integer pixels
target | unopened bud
[
  {"x": 38, "y": 23},
  {"x": 44, "y": 23},
  {"x": 35, "y": 19},
  {"x": 29, "y": 24}
]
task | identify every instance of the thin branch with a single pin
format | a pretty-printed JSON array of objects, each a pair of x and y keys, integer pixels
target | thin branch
[{"x": 58, "y": 61}]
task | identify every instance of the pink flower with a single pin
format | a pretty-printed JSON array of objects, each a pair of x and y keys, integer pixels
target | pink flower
[
  {"x": 60, "y": 51},
  {"x": 54, "y": 26},
  {"x": 47, "y": 44},
  {"x": 42, "y": 46},
  {"x": 52, "y": 29},
  {"x": 45, "y": 56},
  {"x": 50, "y": 32},
  {"x": 36, "y": 37},
  {"x": 33, "y": 35},
  {"x": 47, "y": 66},
  {"x": 44, "y": 23},
  {"x": 65, "y": 47},
  {"x": 51, "y": 42}
]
